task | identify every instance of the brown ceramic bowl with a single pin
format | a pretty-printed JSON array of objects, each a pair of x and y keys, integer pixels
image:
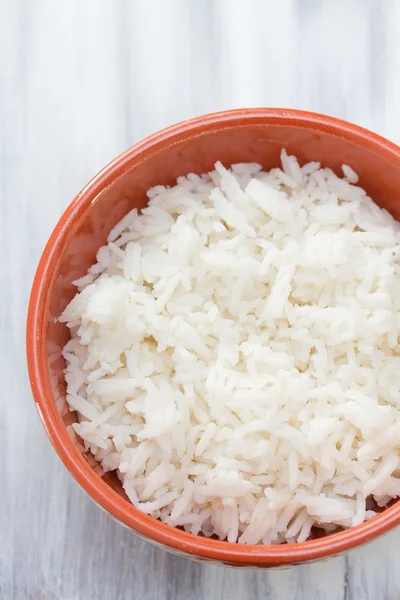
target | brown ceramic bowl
[{"x": 250, "y": 135}]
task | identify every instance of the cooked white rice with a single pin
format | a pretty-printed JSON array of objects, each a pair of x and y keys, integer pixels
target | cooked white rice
[{"x": 234, "y": 353}]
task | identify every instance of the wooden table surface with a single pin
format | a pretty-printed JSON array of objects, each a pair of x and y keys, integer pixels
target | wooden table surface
[{"x": 80, "y": 81}]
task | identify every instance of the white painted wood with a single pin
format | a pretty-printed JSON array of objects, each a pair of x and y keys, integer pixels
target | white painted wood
[{"x": 81, "y": 80}]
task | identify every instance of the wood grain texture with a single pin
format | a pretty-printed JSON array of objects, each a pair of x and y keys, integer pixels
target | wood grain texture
[{"x": 81, "y": 80}]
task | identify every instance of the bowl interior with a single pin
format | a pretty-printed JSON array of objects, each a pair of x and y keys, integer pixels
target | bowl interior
[{"x": 159, "y": 161}]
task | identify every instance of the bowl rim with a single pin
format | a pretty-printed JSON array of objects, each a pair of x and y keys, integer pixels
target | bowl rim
[{"x": 146, "y": 526}]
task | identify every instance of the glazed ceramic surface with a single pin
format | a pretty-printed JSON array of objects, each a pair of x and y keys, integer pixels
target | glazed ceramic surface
[{"x": 248, "y": 135}]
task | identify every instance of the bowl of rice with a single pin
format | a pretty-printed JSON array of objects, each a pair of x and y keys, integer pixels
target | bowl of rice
[{"x": 213, "y": 337}]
